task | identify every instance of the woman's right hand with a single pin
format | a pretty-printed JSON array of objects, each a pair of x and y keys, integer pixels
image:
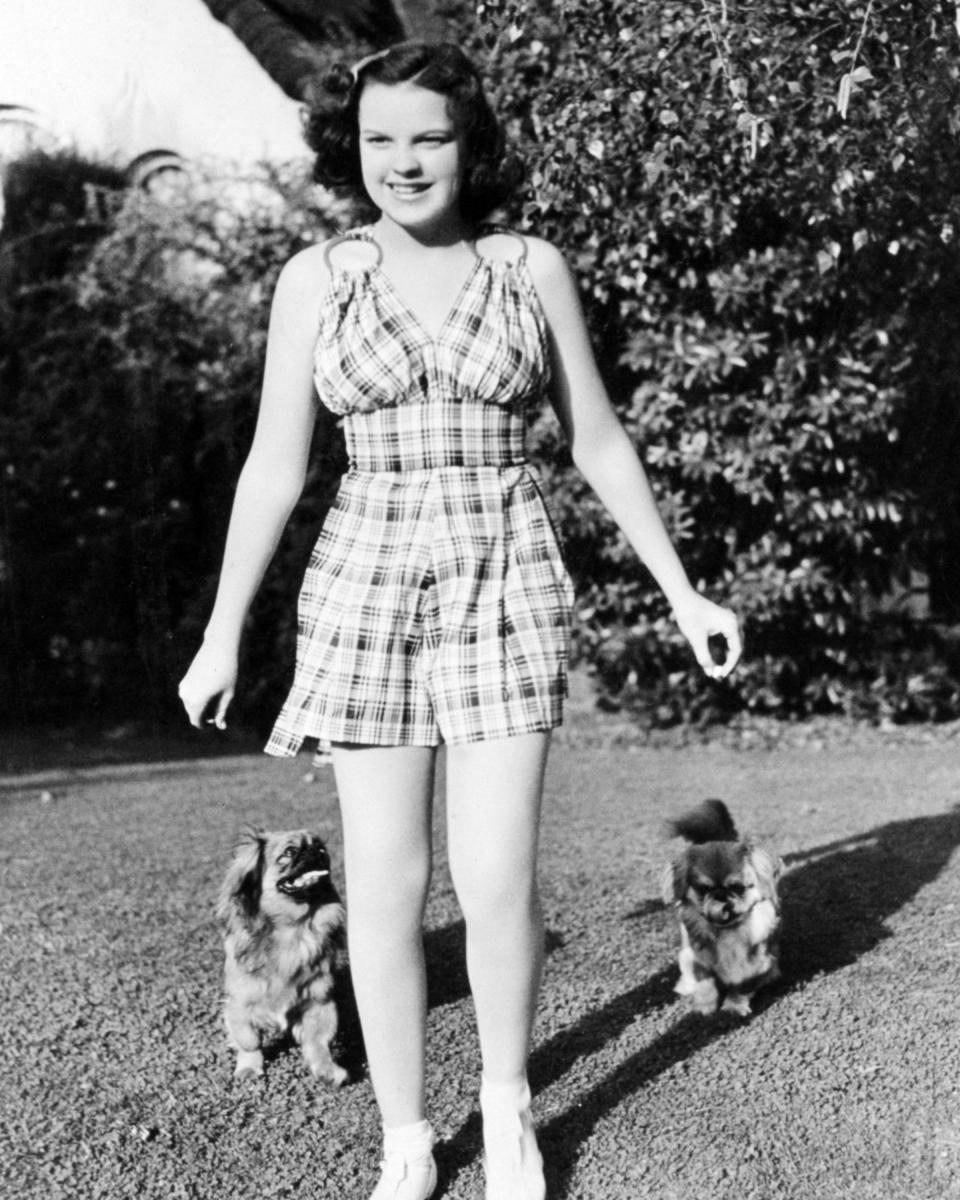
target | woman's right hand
[{"x": 212, "y": 674}]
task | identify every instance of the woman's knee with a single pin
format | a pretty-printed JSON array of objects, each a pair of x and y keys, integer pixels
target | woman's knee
[
  {"x": 387, "y": 889},
  {"x": 386, "y": 806},
  {"x": 497, "y": 893}
]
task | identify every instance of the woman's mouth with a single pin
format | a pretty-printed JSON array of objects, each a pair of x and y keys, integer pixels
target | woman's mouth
[{"x": 408, "y": 191}]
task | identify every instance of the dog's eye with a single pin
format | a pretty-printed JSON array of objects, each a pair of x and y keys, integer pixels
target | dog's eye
[{"x": 736, "y": 889}]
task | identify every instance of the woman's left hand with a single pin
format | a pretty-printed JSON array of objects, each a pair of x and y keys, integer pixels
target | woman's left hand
[{"x": 700, "y": 620}]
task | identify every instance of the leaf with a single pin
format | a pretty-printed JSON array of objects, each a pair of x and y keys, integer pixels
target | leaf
[{"x": 843, "y": 95}]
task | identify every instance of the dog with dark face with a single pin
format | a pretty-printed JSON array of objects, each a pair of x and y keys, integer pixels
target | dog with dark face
[
  {"x": 283, "y": 925},
  {"x": 724, "y": 890}
]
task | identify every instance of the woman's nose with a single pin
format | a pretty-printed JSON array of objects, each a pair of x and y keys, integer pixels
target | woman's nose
[{"x": 405, "y": 161}]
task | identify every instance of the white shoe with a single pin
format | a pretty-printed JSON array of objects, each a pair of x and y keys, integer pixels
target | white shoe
[
  {"x": 406, "y": 1178},
  {"x": 511, "y": 1158}
]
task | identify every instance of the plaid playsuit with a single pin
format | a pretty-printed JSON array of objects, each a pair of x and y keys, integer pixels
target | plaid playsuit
[{"x": 436, "y": 605}]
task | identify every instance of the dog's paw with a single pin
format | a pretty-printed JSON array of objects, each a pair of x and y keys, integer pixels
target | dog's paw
[
  {"x": 323, "y": 1068},
  {"x": 249, "y": 1068},
  {"x": 706, "y": 998},
  {"x": 338, "y": 1077},
  {"x": 736, "y": 1003}
]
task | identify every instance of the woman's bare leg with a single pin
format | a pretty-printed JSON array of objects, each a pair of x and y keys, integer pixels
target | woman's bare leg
[
  {"x": 386, "y": 806},
  {"x": 493, "y": 811},
  {"x": 493, "y": 804}
]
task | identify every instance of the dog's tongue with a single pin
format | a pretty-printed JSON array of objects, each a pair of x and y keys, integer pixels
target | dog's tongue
[{"x": 309, "y": 878}]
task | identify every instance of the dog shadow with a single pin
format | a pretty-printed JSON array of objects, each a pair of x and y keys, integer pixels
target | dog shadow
[{"x": 837, "y": 901}]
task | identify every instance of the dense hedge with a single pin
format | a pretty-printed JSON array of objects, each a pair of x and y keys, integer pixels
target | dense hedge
[
  {"x": 132, "y": 372},
  {"x": 771, "y": 288}
]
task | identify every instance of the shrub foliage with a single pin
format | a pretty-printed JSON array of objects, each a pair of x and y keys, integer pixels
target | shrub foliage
[
  {"x": 132, "y": 370},
  {"x": 770, "y": 283},
  {"x": 762, "y": 206}
]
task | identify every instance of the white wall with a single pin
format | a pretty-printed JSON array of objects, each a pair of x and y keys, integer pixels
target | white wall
[{"x": 118, "y": 78}]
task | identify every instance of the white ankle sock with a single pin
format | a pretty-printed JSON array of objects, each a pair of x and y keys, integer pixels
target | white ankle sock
[
  {"x": 412, "y": 1141},
  {"x": 512, "y": 1160},
  {"x": 510, "y": 1097}
]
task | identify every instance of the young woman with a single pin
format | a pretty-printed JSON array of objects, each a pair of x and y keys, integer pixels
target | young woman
[{"x": 436, "y": 606}]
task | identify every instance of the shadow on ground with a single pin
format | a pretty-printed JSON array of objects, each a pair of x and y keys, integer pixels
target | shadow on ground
[
  {"x": 446, "y": 956},
  {"x": 837, "y": 900},
  {"x": 27, "y": 751},
  {"x": 447, "y": 983}
]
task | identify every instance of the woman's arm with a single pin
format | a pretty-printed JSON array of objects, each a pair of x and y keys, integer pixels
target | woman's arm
[
  {"x": 269, "y": 485},
  {"x": 605, "y": 455}
]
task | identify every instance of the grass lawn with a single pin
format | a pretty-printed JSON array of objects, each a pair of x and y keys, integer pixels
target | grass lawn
[{"x": 845, "y": 1083}]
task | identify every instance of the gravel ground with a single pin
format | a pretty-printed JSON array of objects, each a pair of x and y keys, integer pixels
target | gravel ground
[{"x": 844, "y": 1083}]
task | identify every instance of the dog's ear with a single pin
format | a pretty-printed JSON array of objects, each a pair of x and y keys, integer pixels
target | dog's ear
[
  {"x": 767, "y": 868},
  {"x": 673, "y": 882},
  {"x": 239, "y": 902}
]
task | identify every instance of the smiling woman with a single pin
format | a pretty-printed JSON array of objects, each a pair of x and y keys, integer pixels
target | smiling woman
[
  {"x": 411, "y": 155},
  {"x": 489, "y": 173},
  {"x": 436, "y": 606}
]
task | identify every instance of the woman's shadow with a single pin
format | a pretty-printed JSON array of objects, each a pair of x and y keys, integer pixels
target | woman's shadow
[{"x": 837, "y": 900}]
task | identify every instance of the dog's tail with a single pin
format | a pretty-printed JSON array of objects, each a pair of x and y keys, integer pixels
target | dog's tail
[{"x": 708, "y": 822}]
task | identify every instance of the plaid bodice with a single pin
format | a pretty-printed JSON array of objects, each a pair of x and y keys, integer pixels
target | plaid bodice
[{"x": 410, "y": 400}]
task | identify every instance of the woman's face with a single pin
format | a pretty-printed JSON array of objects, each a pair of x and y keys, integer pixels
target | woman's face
[{"x": 410, "y": 155}]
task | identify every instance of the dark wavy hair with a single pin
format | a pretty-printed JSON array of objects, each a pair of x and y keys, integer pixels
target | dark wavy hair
[{"x": 331, "y": 127}]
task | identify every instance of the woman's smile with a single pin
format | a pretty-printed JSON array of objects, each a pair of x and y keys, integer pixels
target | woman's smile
[
  {"x": 408, "y": 191},
  {"x": 411, "y": 155}
]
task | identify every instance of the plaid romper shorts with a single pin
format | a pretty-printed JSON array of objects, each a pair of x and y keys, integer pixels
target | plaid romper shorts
[{"x": 436, "y": 605}]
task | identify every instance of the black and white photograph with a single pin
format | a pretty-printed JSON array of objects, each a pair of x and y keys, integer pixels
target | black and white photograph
[{"x": 480, "y": 599}]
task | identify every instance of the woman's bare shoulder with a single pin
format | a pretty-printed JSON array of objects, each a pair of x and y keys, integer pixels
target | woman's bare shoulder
[
  {"x": 307, "y": 270},
  {"x": 544, "y": 257}
]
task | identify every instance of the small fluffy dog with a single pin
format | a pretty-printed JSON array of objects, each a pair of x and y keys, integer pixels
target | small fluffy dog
[
  {"x": 725, "y": 893},
  {"x": 283, "y": 924}
]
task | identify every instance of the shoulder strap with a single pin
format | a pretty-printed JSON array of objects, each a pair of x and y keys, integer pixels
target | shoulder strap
[
  {"x": 354, "y": 235},
  {"x": 494, "y": 230}
]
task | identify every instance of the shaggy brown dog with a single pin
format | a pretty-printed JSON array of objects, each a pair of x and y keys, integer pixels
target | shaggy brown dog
[
  {"x": 725, "y": 893},
  {"x": 283, "y": 924}
]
